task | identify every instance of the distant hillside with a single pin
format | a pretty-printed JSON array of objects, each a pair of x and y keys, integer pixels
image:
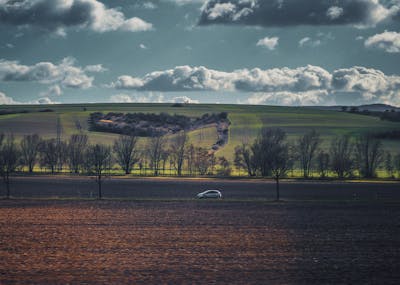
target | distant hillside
[
  {"x": 370, "y": 107},
  {"x": 245, "y": 122}
]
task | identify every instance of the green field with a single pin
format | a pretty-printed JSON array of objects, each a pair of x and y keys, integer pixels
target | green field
[{"x": 246, "y": 122}]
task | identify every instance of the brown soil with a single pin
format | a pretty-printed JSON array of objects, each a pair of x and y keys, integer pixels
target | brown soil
[{"x": 110, "y": 242}]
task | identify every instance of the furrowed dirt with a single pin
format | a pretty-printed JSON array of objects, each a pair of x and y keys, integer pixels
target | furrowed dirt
[{"x": 153, "y": 242}]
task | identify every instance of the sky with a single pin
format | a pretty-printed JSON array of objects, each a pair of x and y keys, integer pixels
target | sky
[{"x": 276, "y": 52}]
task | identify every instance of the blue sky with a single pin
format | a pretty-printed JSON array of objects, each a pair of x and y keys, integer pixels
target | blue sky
[{"x": 278, "y": 52}]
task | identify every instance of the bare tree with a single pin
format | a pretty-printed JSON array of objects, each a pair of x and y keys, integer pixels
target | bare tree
[
  {"x": 396, "y": 163},
  {"x": 76, "y": 148},
  {"x": 225, "y": 165},
  {"x": 155, "y": 149},
  {"x": 341, "y": 156},
  {"x": 212, "y": 161},
  {"x": 306, "y": 147},
  {"x": 202, "y": 161},
  {"x": 389, "y": 166},
  {"x": 164, "y": 159},
  {"x": 30, "y": 150},
  {"x": 238, "y": 160},
  {"x": 280, "y": 160},
  {"x": 61, "y": 147},
  {"x": 98, "y": 161},
  {"x": 369, "y": 154},
  {"x": 48, "y": 154},
  {"x": 126, "y": 152},
  {"x": 323, "y": 163},
  {"x": 190, "y": 157},
  {"x": 62, "y": 154},
  {"x": 263, "y": 149},
  {"x": 178, "y": 151},
  {"x": 9, "y": 156},
  {"x": 141, "y": 162},
  {"x": 244, "y": 159}
]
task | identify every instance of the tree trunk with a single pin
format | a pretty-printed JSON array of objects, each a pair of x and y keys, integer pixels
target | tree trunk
[
  {"x": 180, "y": 166},
  {"x": 99, "y": 183},
  {"x": 8, "y": 185},
  {"x": 277, "y": 188}
]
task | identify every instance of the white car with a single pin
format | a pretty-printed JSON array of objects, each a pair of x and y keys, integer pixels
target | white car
[{"x": 210, "y": 194}]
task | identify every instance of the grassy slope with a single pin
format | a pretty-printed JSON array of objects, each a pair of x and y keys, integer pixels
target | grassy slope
[{"x": 246, "y": 122}]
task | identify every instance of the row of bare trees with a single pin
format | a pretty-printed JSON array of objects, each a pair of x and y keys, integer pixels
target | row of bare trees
[
  {"x": 51, "y": 153},
  {"x": 182, "y": 157},
  {"x": 79, "y": 156},
  {"x": 345, "y": 156},
  {"x": 270, "y": 155},
  {"x": 56, "y": 155}
]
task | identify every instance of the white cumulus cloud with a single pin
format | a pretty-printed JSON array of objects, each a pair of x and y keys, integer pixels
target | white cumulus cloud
[
  {"x": 370, "y": 83},
  {"x": 54, "y": 90},
  {"x": 269, "y": 43},
  {"x": 282, "y": 13},
  {"x": 220, "y": 10},
  {"x": 309, "y": 42},
  {"x": 308, "y": 98},
  {"x": 185, "y": 100},
  {"x": 95, "y": 68},
  {"x": 65, "y": 73},
  {"x": 5, "y": 100},
  {"x": 305, "y": 85},
  {"x": 150, "y": 97},
  {"x": 334, "y": 12},
  {"x": 387, "y": 41},
  {"x": 59, "y": 14}
]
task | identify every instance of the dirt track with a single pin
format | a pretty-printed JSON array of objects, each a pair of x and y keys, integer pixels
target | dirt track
[
  {"x": 142, "y": 188},
  {"x": 120, "y": 242}
]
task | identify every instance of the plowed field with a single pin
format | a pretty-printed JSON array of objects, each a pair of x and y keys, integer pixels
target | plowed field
[{"x": 154, "y": 242}]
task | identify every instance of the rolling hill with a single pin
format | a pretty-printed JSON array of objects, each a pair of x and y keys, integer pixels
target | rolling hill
[{"x": 246, "y": 121}]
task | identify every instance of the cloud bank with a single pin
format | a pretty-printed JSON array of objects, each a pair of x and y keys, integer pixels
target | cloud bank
[
  {"x": 309, "y": 98},
  {"x": 361, "y": 13},
  {"x": 303, "y": 85},
  {"x": 150, "y": 97},
  {"x": 65, "y": 74},
  {"x": 186, "y": 78},
  {"x": 59, "y": 14},
  {"x": 5, "y": 100}
]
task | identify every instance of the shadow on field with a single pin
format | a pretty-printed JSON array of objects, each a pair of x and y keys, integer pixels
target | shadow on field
[{"x": 178, "y": 189}]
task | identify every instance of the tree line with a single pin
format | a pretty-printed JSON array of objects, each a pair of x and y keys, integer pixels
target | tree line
[
  {"x": 271, "y": 154},
  {"x": 346, "y": 157},
  {"x": 78, "y": 156}
]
